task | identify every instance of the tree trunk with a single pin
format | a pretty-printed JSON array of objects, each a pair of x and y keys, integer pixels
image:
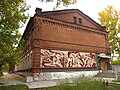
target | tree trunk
[{"x": 1, "y": 73}]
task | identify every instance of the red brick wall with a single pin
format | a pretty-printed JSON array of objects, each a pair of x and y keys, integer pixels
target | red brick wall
[
  {"x": 68, "y": 17},
  {"x": 67, "y": 36},
  {"x": 70, "y": 35}
]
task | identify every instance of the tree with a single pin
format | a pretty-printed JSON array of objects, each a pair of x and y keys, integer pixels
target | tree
[
  {"x": 110, "y": 18},
  {"x": 61, "y": 2},
  {"x": 12, "y": 17}
]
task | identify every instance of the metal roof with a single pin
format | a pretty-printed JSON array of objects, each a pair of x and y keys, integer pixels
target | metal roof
[{"x": 104, "y": 56}]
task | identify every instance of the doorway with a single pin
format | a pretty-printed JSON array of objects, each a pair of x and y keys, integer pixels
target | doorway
[{"x": 103, "y": 65}]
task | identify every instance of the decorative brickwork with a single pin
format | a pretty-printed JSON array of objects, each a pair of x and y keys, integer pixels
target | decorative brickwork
[{"x": 65, "y": 59}]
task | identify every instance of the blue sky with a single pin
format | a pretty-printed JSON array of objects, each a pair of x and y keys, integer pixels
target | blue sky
[{"x": 89, "y": 7}]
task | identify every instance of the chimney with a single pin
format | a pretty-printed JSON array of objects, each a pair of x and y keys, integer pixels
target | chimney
[{"x": 38, "y": 11}]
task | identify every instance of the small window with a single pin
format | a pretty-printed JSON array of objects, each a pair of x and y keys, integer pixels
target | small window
[
  {"x": 75, "y": 20},
  {"x": 80, "y": 21}
]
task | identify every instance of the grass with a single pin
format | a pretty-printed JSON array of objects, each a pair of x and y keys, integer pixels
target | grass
[
  {"x": 118, "y": 80},
  {"x": 84, "y": 84},
  {"x": 14, "y": 87},
  {"x": 113, "y": 87},
  {"x": 80, "y": 84}
]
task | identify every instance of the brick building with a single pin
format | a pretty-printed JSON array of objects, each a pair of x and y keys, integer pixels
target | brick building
[{"x": 64, "y": 40}]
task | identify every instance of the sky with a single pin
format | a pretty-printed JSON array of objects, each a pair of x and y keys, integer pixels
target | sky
[{"x": 89, "y": 7}]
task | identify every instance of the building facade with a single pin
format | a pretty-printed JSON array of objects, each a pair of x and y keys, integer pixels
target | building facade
[{"x": 64, "y": 40}]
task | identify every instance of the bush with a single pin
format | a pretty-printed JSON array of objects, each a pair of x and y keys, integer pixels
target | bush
[{"x": 115, "y": 61}]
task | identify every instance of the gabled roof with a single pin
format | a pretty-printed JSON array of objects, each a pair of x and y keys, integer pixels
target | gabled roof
[
  {"x": 27, "y": 27},
  {"x": 65, "y": 11},
  {"x": 56, "y": 12}
]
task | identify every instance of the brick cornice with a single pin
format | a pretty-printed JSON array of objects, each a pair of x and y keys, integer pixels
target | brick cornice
[
  {"x": 71, "y": 11},
  {"x": 68, "y": 43},
  {"x": 60, "y": 23},
  {"x": 64, "y": 49},
  {"x": 104, "y": 49}
]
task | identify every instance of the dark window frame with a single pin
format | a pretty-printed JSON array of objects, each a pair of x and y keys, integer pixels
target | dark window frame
[
  {"x": 75, "y": 19},
  {"x": 80, "y": 21}
]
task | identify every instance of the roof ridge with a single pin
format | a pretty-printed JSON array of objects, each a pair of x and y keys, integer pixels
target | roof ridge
[
  {"x": 59, "y": 10},
  {"x": 79, "y": 11}
]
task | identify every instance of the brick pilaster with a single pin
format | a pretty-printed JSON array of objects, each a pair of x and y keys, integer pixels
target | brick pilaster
[{"x": 36, "y": 60}]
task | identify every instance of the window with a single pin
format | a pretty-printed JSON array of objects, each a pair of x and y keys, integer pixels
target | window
[
  {"x": 75, "y": 20},
  {"x": 80, "y": 21}
]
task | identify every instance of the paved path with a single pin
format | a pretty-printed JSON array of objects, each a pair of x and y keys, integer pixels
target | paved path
[
  {"x": 13, "y": 79},
  {"x": 46, "y": 83},
  {"x": 41, "y": 84}
]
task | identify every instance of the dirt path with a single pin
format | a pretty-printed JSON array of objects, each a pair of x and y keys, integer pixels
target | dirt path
[{"x": 11, "y": 79}]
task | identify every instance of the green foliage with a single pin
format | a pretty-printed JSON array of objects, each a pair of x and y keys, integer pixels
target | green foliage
[
  {"x": 12, "y": 17},
  {"x": 115, "y": 61},
  {"x": 61, "y": 2},
  {"x": 110, "y": 18},
  {"x": 14, "y": 87}
]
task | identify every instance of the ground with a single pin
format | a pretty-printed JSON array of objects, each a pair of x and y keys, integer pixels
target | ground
[{"x": 13, "y": 79}]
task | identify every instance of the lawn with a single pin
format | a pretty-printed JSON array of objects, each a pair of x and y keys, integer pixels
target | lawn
[
  {"x": 84, "y": 84},
  {"x": 79, "y": 84}
]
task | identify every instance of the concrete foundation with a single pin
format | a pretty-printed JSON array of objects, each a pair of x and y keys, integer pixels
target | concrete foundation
[{"x": 63, "y": 75}]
